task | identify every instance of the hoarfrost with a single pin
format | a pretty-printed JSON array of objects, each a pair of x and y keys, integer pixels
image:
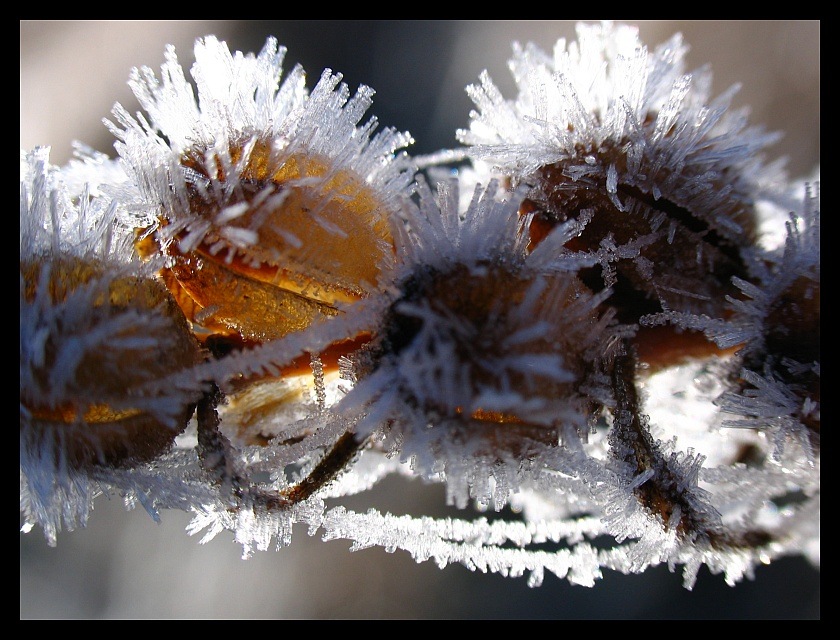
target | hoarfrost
[{"x": 491, "y": 362}]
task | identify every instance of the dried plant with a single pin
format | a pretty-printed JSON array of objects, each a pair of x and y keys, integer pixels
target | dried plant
[{"x": 575, "y": 319}]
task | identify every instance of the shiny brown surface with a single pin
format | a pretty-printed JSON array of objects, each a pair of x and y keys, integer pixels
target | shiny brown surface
[{"x": 318, "y": 243}]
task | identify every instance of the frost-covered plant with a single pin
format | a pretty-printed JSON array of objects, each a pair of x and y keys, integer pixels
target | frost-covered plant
[
  {"x": 95, "y": 325},
  {"x": 262, "y": 307},
  {"x": 607, "y": 128},
  {"x": 263, "y": 183}
]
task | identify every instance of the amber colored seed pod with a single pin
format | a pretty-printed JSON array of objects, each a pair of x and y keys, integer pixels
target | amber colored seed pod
[
  {"x": 317, "y": 243},
  {"x": 93, "y": 423}
]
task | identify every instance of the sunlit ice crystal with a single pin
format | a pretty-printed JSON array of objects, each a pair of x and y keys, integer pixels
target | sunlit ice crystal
[
  {"x": 95, "y": 325},
  {"x": 260, "y": 186}
]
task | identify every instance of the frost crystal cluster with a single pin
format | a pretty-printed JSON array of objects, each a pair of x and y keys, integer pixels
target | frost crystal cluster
[{"x": 578, "y": 319}]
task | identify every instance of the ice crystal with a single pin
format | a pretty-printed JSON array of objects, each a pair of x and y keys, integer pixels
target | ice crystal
[{"x": 264, "y": 306}]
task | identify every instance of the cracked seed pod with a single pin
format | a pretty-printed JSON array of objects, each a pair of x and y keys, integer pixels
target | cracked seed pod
[{"x": 270, "y": 202}]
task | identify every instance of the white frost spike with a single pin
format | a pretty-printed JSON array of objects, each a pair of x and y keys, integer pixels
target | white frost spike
[{"x": 231, "y": 213}]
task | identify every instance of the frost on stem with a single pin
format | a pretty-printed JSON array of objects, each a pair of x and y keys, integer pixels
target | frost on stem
[{"x": 582, "y": 328}]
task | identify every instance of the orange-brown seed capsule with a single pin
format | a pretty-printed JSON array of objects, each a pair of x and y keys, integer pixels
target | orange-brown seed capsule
[
  {"x": 83, "y": 404},
  {"x": 315, "y": 243}
]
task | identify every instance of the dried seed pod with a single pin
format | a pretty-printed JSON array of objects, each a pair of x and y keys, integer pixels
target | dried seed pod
[
  {"x": 483, "y": 352},
  {"x": 774, "y": 329},
  {"x": 500, "y": 332},
  {"x": 95, "y": 327},
  {"x": 258, "y": 192},
  {"x": 608, "y": 131},
  {"x": 780, "y": 357},
  {"x": 93, "y": 339}
]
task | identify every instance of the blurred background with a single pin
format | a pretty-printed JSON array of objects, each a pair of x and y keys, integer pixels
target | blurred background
[{"x": 124, "y": 565}]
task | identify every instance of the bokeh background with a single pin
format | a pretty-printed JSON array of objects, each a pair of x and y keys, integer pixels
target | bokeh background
[{"x": 124, "y": 565}]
